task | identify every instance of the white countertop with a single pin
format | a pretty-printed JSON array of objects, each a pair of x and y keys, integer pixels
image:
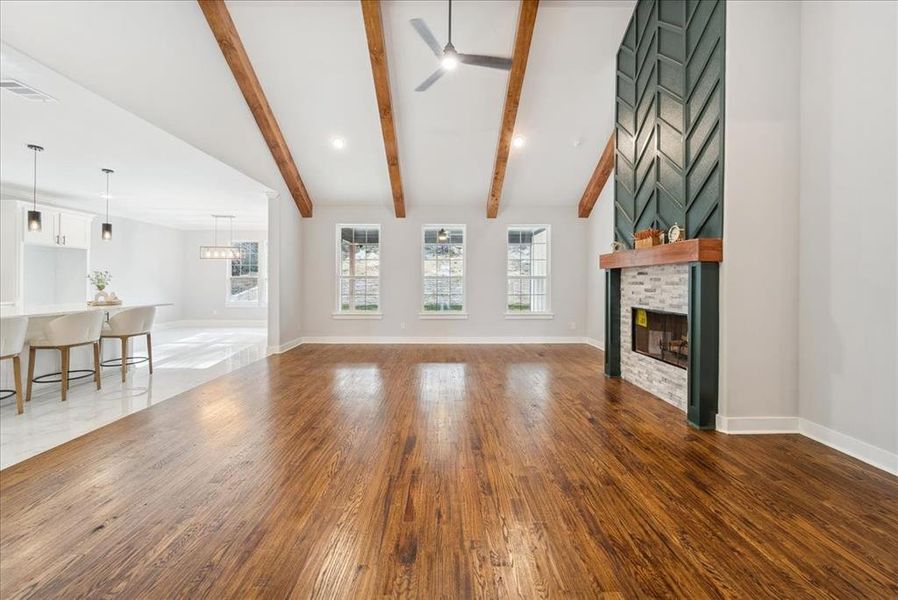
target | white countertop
[{"x": 56, "y": 310}]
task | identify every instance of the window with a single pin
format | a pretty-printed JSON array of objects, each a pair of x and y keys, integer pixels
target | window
[
  {"x": 247, "y": 284},
  {"x": 528, "y": 269},
  {"x": 358, "y": 266},
  {"x": 444, "y": 269}
]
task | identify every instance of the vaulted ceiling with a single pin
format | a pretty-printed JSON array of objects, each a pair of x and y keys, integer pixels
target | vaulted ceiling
[{"x": 160, "y": 61}]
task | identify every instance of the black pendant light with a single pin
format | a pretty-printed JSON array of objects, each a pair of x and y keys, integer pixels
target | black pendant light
[
  {"x": 34, "y": 215},
  {"x": 106, "y": 232}
]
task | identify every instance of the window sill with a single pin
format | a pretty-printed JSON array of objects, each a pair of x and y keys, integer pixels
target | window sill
[
  {"x": 526, "y": 315},
  {"x": 444, "y": 316},
  {"x": 245, "y": 305},
  {"x": 359, "y": 316}
]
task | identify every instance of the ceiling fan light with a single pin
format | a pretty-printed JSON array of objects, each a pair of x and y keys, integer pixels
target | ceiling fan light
[{"x": 450, "y": 58}]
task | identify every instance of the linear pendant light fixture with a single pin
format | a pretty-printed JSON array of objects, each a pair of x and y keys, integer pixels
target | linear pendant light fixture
[
  {"x": 220, "y": 251},
  {"x": 34, "y": 215},
  {"x": 106, "y": 232}
]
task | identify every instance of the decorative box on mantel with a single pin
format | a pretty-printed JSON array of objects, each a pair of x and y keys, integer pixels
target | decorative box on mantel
[{"x": 666, "y": 280}]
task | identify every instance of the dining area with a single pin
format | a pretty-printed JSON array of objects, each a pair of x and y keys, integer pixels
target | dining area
[
  {"x": 40, "y": 409},
  {"x": 94, "y": 328},
  {"x": 66, "y": 344}
]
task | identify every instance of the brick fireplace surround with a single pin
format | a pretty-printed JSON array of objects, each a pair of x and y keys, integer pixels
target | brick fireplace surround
[{"x": 682, "y": 277}]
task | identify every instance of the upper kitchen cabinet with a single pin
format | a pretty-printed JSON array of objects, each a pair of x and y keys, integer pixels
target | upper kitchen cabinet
[{"x": 60, "y": 227}]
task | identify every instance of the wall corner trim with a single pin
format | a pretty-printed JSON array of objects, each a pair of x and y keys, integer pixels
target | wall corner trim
[
  {"x": 596, "y": 343},
  {"x": 285, "y": 346}
]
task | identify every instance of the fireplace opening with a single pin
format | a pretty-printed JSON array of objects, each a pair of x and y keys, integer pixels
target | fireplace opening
[{"x": 661, "y": 335}]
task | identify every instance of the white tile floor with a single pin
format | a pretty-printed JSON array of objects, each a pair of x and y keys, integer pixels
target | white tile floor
[{"x": 183, "y": 358}]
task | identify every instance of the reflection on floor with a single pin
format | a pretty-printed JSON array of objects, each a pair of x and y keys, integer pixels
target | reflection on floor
[{"x": 183, "y": 358}]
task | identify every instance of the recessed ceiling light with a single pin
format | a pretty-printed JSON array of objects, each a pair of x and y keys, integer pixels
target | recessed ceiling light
[
  {"x": 518, "y": 141},
  {"x": 338, "y": 143}
]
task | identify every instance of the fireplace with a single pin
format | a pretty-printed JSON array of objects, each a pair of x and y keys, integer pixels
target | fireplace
[{"x": 661, "y": 335}]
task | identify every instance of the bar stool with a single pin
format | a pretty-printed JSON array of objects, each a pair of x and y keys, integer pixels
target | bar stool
[
  {"x": 12, "y": 339},
  {"x": 126, "y": 325},
  {"x": 63, "y": 334}
]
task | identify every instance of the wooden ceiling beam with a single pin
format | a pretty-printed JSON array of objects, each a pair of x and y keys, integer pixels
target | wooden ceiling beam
[
  {"x": 597, "y": 181},
  {"x": 523, "y": 37},
  {"x": 222, "y": 26},
  {"x": 374, "y": 30}
]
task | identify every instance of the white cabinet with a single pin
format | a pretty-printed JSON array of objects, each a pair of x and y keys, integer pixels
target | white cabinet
[
  {"x": 73, "y": 231},
  {"x": 59, "y": 227}
]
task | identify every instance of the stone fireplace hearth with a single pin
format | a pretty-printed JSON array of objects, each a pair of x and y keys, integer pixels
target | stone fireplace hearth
[
  {"x": 662, "y": 288},
  {"x": 681, "y": 278}
]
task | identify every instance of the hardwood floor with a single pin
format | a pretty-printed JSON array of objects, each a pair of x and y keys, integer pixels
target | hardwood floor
[{"x": 440, "y": 472}]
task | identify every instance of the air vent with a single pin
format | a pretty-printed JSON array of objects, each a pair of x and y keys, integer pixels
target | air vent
[{"x": 29, "y": 93}]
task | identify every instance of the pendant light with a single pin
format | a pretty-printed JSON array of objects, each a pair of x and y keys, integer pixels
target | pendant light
[
  {"x": 220, "y": 251},
  {"x": 106, "y": 232},
  {"x": 442, "y": 236},
  {"x": 34, "y": 215}
]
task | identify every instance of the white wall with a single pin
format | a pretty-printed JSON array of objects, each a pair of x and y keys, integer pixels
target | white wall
[
  {"x": 205, "y": 285},
  {"x": 849, "y": 195},
  {"x": 286, "y": 253},
  {"x": 758, "y": 294},
  {"x": 61, "y": 277},
  {"x": 145, "y": 261},
  {"x": 485, "y": 278},
  {"x": 600, "y": 235},
  {"x": 8, "y": 243}
]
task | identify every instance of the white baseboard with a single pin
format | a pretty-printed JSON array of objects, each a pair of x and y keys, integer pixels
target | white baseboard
[
  {"x": 212, "y": 323},
  {"x": 285, "y": 346},
  {"x": 336, "y": 339},
  {"x": 757, "y": 425},
  {"x": 442, "y": 340},
  {"x": 600, "y": 344},
  {"x": 868, "y": 453}
]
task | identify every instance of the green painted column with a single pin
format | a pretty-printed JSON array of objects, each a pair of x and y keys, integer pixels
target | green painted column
[
  {"x": 704, "y": 328},
  {"x": 612, "y": 322}
]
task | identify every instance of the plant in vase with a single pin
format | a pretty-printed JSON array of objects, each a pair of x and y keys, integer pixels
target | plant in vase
[{"x": 100, "y": 279}]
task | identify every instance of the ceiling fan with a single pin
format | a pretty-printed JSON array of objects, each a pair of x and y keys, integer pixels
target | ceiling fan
[{"x": 450, "y": 57}]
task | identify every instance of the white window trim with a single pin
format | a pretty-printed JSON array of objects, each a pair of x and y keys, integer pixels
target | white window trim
[
  {"x": 358, "y": 315},
  {"x": 263, "y": 278},
  {"x": 528, "y": 315},
  {"x": 449, "y": 314},
  {"x": 520, "y": 314}
]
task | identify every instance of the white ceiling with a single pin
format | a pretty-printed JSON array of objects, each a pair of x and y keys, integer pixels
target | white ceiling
[
  {"x": 158, "y": 178},
  {"x": 311, "y": 58}
]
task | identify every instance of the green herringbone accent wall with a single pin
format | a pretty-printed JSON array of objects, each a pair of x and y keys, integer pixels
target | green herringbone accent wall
[{"x": 669, "y": 166}]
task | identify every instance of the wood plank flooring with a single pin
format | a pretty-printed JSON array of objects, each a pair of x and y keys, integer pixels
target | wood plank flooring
[{"x": 440, "y": 472}]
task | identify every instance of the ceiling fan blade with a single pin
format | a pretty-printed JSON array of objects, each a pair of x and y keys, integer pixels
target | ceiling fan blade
[
  {"x": 480, "y": 60},
  {"x": 427, "y": 35},
  {"x": 430, "y": 80}
]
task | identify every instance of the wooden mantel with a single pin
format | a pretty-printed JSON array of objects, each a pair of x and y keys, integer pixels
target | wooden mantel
[{"x": 687, "y": 251}]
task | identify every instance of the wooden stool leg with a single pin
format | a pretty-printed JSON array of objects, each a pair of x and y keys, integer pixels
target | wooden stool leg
[
  {"x": 124, "y": 354},
  {"x": 65, "y": 372},
  {"x": 97, "y": 365},
  {"x": 31, "y": 354},
  {"x": 17, "y": 376},
  {"x": 150, "y": 351}
]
